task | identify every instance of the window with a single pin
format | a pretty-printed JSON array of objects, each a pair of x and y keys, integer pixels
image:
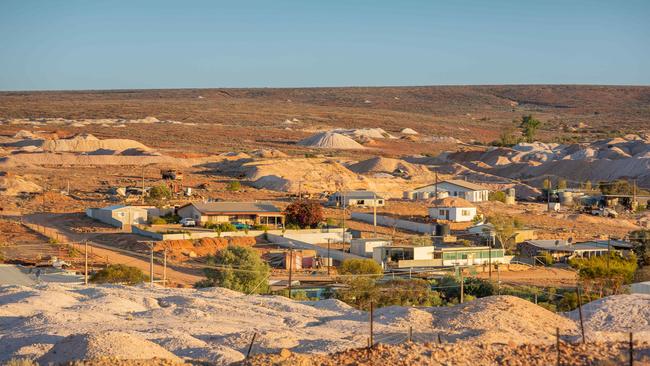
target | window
[
  {"x": 464, "y": 213},
  {"x": 380, "y": 202},
  {"x": 442, "y": 213},
  {"x": 361, "y": 202}
]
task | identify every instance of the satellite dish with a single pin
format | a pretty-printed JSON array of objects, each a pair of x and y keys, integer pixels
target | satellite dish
[
  {"x": 570, "y": 240},
  {"x": 557, "y": 243}
]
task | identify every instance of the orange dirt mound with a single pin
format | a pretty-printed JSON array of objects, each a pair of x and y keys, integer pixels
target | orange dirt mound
[{"x": 182, "y": 250}]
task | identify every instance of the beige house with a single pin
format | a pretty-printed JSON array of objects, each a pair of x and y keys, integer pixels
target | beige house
[
  {"x": 251, "y": 213},
  {"x": 456, "y": 189}
]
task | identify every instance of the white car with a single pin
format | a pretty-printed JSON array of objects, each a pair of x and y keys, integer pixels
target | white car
[{"x": 188, "y": 221}]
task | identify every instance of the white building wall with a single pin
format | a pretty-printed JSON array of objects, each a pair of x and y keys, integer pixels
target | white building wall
[
  {"x": 456, "y": 214},
  {"x": 423, "y": 252},
  {"x": 457, "y": 191}
]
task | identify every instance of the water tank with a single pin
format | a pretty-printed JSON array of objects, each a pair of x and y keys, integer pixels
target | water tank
[
  {"x": 510, "y": 192},
  {"x": 566, "y": 198},
  {"x": 409, "y": 195},
  {"x": 442, "y": 230}
]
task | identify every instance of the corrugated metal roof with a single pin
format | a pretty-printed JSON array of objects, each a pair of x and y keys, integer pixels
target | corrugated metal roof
[
  {"x": 451, "y": 202},
  {"x": 360, "y": 194},
  {"x": 563, "y": 245},
  {"x": 465, "y": 184},
  {"x": 235, "y": 207}
]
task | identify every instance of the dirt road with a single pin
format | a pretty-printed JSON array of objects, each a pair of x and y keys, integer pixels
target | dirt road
[
  {"x": 535, "y": 276},
  {"x": 53, "y": 228}
]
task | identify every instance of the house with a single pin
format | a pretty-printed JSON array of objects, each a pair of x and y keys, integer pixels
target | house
[
  {"x": 364, "y": 247},
  {"x": 455, "y": 188},
  {"x": 119, "y": 215},
  {"x": 560, "y": 249},
  {"x": 408, "y": 256},
  {"x": 452, "y": 209},
  {"x": 356, "y": 198},
  {"x": 252, "y": 213}
]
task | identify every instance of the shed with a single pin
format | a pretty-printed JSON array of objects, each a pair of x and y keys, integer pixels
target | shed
[
  {"x": 356, "y": 198},
  {"x": 364, "y": 247},
  {"x": 119, "y": 215}
]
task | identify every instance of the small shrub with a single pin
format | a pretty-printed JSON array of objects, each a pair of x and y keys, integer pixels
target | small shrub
[
  {"x": 221, "y": 226},
  {"x": 160, "y": 192},
  {"x": 158, "y": 221},
  {"x": 233, "y": 186},
  {"x": 497, "y": 196}
]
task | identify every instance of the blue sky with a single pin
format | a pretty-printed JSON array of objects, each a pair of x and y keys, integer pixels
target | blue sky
[{"x": 118, "y": 44}]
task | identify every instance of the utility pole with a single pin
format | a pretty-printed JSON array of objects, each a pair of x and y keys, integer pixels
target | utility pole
[
  {"x": 86, "y": 263},
  {"x": 290, "y": 269},
  {"x": 436, "y": 189},
  {"x": 142, "y": 197},
  {"x": 490, "y": 260},
  {"x": 343, "y": 233},
  {"x": 165, "y": 268},
  {"x": 548, "y": 195},
  {"x": 328, "y": 255},
  {"x": 462, "y": 286},
  {"x": 374, "y": 214},
  {"x": 151, "y": 265}
]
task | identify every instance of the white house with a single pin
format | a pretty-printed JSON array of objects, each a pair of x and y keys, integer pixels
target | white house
[
  {"x": 356, "y": 198},
  {"x": 119, "y": 215},
  {"x": 452, "y": 209},
  {"x": 364, "y": 247},
  {"x": 455, "y": 188}
]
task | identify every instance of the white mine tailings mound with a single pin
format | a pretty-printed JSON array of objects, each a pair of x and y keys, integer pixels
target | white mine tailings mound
[
  {"x": 503, "y": 319},
  {"x": 330, "y": 140},
  {"x": 55, "y": 323},
  {"x": 89, "y": 143},
  {"x": 409, "y": 131},
  {"x": 627, "y": 157},
  {"x": 15, "y": 185},
  {"x": 619, "y": 313},
  {"x": 387, "y": 165},
  {"x": 123, "y": 346}
]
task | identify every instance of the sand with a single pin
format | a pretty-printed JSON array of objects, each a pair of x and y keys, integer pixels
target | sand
[
  {"x": 105, "y": 344},
  {"x": 217, "y": 324}
]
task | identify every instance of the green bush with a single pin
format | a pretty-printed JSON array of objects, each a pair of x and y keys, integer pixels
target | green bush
[
  {"x": 361, "y": 267},
  {"x": 158, "y": 221},
  {"x": 240, "y": 269},
  {"x": 547, "y": 258},
  {"x": 497, "y": 196},
  {"x": 160, "y": 192},
  {"x": 414, "y": 292},
  {"x": 221, "y": 227},
  {"x": 233, "y": 186},
  {"x": 119, "y": 273}
]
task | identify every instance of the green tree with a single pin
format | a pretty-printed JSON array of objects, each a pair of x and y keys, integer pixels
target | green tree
[
  {"x": 304, "y": 213},
  {"x": 497, "y": 196},
  {"x": 421, "y": 240},
  {"x": 239, "y": 268},
  {"x": 504, "y": 229},
  {"x": 507, "y": 137},
  {"x": 641, "y": 240},
  {"x": 233, "y": 186},
  {"x": 160, "y": 192},
  {"x": 119, "y": 273},
  {"x": 403, "y": 292},
  {"x": 529, "y": 126},
  {"x": 606, "y": 273},
  {"x": 361, "y": 267},
  {"x": 360, "y": 277}
]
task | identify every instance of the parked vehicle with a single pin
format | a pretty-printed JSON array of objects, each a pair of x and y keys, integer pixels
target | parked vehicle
[
  {"x": 241, "y": 226},
  {"x": 187, "y": 221}
]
